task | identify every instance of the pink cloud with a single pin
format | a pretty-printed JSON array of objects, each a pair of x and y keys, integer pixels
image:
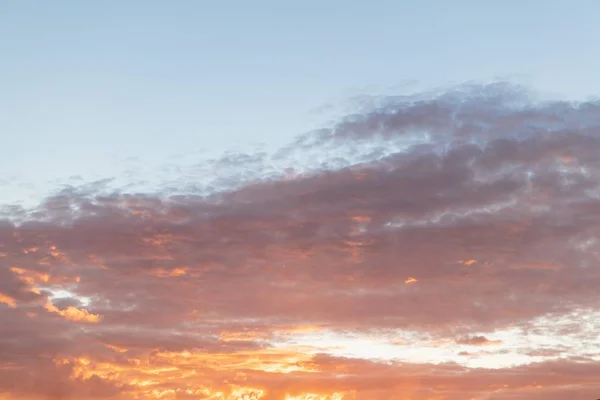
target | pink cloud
[{"x": 191, "y": 295}]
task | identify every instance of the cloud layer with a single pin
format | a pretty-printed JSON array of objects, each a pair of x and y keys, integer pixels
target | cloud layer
[{"x": 443, "y": 247}]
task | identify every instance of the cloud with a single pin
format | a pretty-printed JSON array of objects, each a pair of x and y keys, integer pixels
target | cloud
[
  {"x": 9, "y": 301},
  {"x": 73, "y": 313},
  {"x": 465, "y": 214},
  {"x": 478, "y": 341}
]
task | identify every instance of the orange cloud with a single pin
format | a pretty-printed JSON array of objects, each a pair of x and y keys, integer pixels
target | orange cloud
[
  {"x": 74, "y": 314},
  {"x": 175, "y": 272},
  {"x": 9, "y": 301},
  {"x": 315, "y": 396}
]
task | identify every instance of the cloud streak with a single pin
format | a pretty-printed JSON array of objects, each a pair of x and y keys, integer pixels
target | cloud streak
[{"x": 455, "y": 227}]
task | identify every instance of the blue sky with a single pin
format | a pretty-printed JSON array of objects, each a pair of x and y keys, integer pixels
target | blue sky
[{"x": 89, "y": 85}]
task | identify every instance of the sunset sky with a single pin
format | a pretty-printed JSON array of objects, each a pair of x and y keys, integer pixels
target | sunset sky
[{"x": 317, "y": 200}]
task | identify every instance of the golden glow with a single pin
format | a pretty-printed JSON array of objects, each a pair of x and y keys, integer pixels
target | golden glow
[
  {"x": 30, "y": 250},
  {"x": 300, "y": 329},
  {"x": 410, "y": 280},
  {"x": 73, "y": 314},
  {"x": 146, "y": 374},
  {"x": 256, "y": 334},
  {"x": 242, "y": 393},
  {"x": 268, "y": 360},
  {"x": 30, "y": 277},
  {"x": 163, "y": 273},
  {"x": 9, "y": 301},
  {"x": 116, "y": 348},
  {"x": 315, "y": 396},
  {"x": 234, "y": 336}
]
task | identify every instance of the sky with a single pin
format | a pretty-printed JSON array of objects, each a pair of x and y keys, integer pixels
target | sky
[{"x": 299, "y": 201}]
